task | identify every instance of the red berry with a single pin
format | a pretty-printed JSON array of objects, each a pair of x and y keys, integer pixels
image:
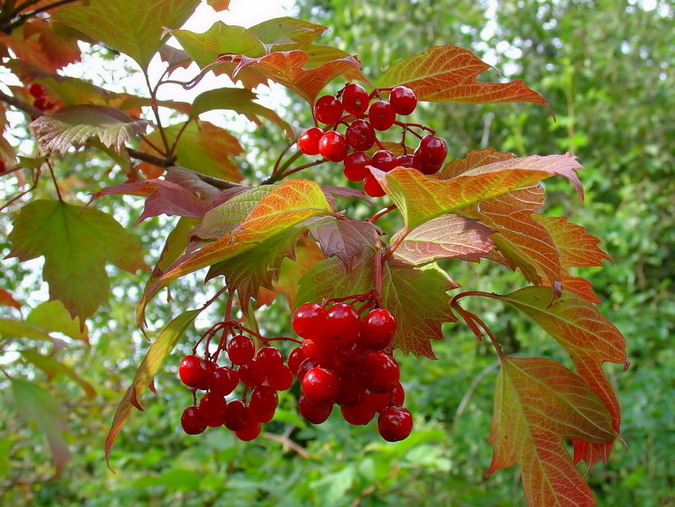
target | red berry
[
  {"x": 333, "y": 146},
  {"x": 351, "y": 354},
  {"x": 237, "y": 415},
  {"x": 381, "y": 115},
  {"x": 251, "y": 374},
  {"x": 193, "y": 371},
  {"x": 407, "y": 161},
  {"x": 380, "y": 401},
  {"x": 394, "y": 424},
  {"x": 360, "y": 414},
  {"x": 384, "y": 160},
  {"x": 429, "y": 167},
  {"x": 305, "y": 366},
  {"x": 249, "y": 432},
  {"x": 192, "y": 421},
  {"x": 296, "y": 357},
  {"x": 403, "y": 100},
  {"x": 240, "y": 349},
  {"x": 320, "y": 386},
  {"x": 309, "y": 321},
  {"x": 41, "y": 103},
  {"x": 380, "y": 371},
  {"x": 321, "y": 350},
  {"x": 355, "y": 167},
  {"x": 263, "y": 403},
  {"x": 212, "y": 408},
  {"x": 342, "y": 323},
  {"x": 308, "y": 142},
  {"x": 316, "y": 414},
  {"x": 223, "y": 381},
  {"x": 270, "y": 359},
  {"x": 377, "y": 329},
  {"x": 360, "y": 135},
  {"x": 355, "y": 99},
  {"x": 351, "y": 390},
  {"x": 372, "y": 187},
  {"x": 328, "y": 109},
  {"x": 282, "y": 379},
  {"x": 432, "y": 150},
  {"x": 2, "y": 166},
  {"x": 36, "y": 90},
  {"x": 398, "y": 395}
]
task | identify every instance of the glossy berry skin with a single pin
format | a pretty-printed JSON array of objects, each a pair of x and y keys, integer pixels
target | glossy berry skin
[
  {"x": 270, "y": 359},
  {"x": 282, "y": 379},
  {"x": 372, "y": 187},
  {"x": 432, "y": 150},
  {"x": 237, "y": 415},
  {"x": 249, "y": 432},
  {"x": 360, "y": 135},
  {"x": 384, "y": 160},
  {"x": 380, "y": 401},
  {"x": 351, "y": 390},
  {"x": 296, "y": 357},
  {"x": 263, "y": 403},
  {"x": 328, "y": 109},
  {"x": 403, "y": 100},
  {"x": 380, "y": 372},
  {"x": 309, "y": 321},
  {"x": 316, "y": 414},
  {"x": 398, "y": 395},
  {"x": 394, "y": 424},
  {"x": 223, "y": 380},
  {"x": 407, "y": 161},
  {"x": 377, "y": 329},
  {"x": 36, "y": 90},
  {"x": 381, "y": 115},
  {"x": 355, "y": 99},
  {"x": 342, "y": 322},
  {"x": 212, "y": 408},
  {"x": 305, "y": 366},
  {"x": 240, "y": 349},
  {"x": 429, "y": 167},
  {"x": 308, "y": 142},
  {"x": 193, "y": 371},
  {"x": 320, "y": 386},
  {"x": 320, "y": 350},
  {"x": 355, "y": 166},
  {"x": 360, "y": 414},
  {"x": 251, "y": 374},
  {"x": 333, "y": 146},
  {"x": 192, "y": 421}
]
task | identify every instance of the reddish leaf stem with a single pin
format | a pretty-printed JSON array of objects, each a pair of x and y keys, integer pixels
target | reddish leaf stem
[
  {"x": 300, "y": 168},
  {"x": 478, "y": 327},
  {"x": 395, "y": 245},
  {"x": 36, "y": 178},
  {"x": 381, "y": 213},
  {"x": 406, "y": 126}
]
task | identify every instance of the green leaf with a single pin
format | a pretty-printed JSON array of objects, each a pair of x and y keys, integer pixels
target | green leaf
[
  {"x": 283, "y": 34},
  {"x": 147, "y": 370},
  {"x": 52, "y": 367},
  {"x": 38, "y": 406},
  {"x": 132, "y": 27},
  {"x": 76, "y": 243},
  {"x": 52, "y": 316},
  {"x": 18, "y": 329},
  {"x": 74, "y": 125}
]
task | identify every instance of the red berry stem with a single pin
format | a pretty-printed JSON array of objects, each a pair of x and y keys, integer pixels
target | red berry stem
[
  {"x": 354, "y": 297},
  {"x": 261, "y": 337},
  {"x": 406, "y": 126},
  {"x": 299, "y": 168}
]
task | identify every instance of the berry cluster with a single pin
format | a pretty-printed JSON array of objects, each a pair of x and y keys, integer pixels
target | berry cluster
[
  {"x": 263, "y": 373},
  {"x": 343, "y": 360},
  {"x": 352, "y": 107},
  {"x": 38, "y": 93}
]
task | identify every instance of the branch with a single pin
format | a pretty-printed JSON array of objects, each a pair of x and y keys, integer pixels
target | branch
[
  {"x": 20, "y": 104},
  {"x": 19, "y": 20}
]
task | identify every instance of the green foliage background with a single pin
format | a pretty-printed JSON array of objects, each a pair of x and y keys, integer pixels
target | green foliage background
[{"x": 606, "y": 66}]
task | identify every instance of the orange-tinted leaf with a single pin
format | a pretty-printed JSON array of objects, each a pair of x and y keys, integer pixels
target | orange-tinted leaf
[
  {"x": 147, "y": 370},
  {"x": 6, "y": 299},
  {"x": 589, "y": 338},
  {"x": 537, "y": 403},
  {"x": 219, "y": 5},
  {"x": 473, "y": 159},
  {"x": 577, "y": 247},
  {"x": 448, "y": 74}
]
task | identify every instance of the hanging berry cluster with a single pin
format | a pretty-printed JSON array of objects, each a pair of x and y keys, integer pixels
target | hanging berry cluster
[
  {"x": 352, "y": 108},
  {"x": 41, "y": 102}
]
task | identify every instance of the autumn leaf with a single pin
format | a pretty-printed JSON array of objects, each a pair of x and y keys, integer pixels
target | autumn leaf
[
  {"x": 344, "y": 237},
  {"x": 577, "y": 247},
  {"x": 537, "y": 403},
  {"x": 219, "y": 5},
  {"x": 448, "y": 74},
  {"x": 60, "y": 232},
  {"x": 473, "y": 159}
]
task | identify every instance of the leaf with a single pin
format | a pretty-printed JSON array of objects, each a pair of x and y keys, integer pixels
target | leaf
[
  {"x": 282, "y": 34},
  {"x": 74, "y": 125},
  {"x": 421, "y": 198},
  {"x": 577, "y": 247},
  {"x": 417, "y": 297},
  {"x": 6, "y": 299},
  {"x": 146, "y": 371},
  {"x": 239, "y": 100},
  {"x": 344, "y": 237},
  {"x": 538, "y": 402},
  {"x": 448, "y": 74},
  {"x": 589, "y": 338},
  {"x": 191, "y": 180},
  {"x": 162, "y": 198},
  {"x": 473, "y": 159},
  {"x": 445, "y": 237},
  {"x": 65, "y": 235},
  {"x": 36, "y": 405},
  {"x": 52, "y": 367},
  {"x": 132, "y": 27},
  {"x": 307, "y": 254},
  {"x": 52, "y": 316},
  {"x": 20, "y": 329},
  {"x": 219, "y": 5}
]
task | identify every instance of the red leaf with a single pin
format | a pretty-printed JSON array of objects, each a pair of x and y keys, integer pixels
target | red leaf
[
  {"x": 6, "y": 299},
  {"x": 577, "y": 247},
  {"x": 345, "y": 238}
]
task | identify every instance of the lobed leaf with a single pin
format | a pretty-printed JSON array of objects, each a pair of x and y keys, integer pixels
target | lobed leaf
[
  {"x": 343, "y": 237},
  {"x": 283, "y": 34},
  {"x": 10, "y": 328},
  {"x": 577, "y": 247},
  {"x": 52, "y": 316}
]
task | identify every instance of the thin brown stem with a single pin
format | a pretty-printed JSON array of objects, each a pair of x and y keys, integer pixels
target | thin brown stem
[
  {"x": 152, "y": 145},
  {"x": 36, "y": 178},
  {"x": 32, "y": 111},
  {"x": 395, "y": 245},
  {"x": 381, "y": 213},
  {"x": 378, "y": 269},
  {"x": 56, "y": 185},
  {"x": 300, "y": 168},
  {"x": 178, "y": 136},
  {"x": 285, "y": 441},
  {"x": 155, "y": 110}
]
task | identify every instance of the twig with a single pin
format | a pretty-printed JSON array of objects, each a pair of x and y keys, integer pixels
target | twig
[
  {"x": 56, "y": 185},
  {"x": 20, "y": 104},
  {"x": 288, "y": 443}
]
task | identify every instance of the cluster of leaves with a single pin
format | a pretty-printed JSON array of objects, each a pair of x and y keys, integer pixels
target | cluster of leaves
[{"x": 292, "y": 238}]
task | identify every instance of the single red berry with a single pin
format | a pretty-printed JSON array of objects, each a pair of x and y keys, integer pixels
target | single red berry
[
  {"x": 380, "y": 371},
  {"x": 377, "y": 329},
  {"x": 237, "y": 415},
  {"x": 296, "y": 357},
  {"x": 333, "y": 146},
  {"x": 384, "y": 160},
  {"x": 355, "y": 99},
  {"x": 308, "y": 321},
  {"x": 192, "y": 421},
  {"x": 381, "y": 115},
  {"x": 351, "y": 390},
  {"x": 398, "y": 395},
  {"x": 270, "y": 359},
  {"x": 36, "y": 90},
  {"x": 403, "y": 100},
  {"x": 351, "y": 354},
  {"x": 360, "y": 414},
  {"x": 320, "y": 386},
  {"x": 212, "y": 408},
  {"x": 263, "y": 403},
  {"x": 432, "y": 150},
  {"x": 355, "y": 167},
  {"x": 321, "y": 350},
  {"x": 316, "y": 414},
  {"x": 251, "y": 374},
  {"x": 372, "y": 187},
  {"x": 41, "y": 103},
  {"x": 407, "y": 161},
  {"x": 223, "y": 381},
  {"x": 282, "y": 379},
  {"x": 193, "y": 371},
  {"x": 249, "y": 432},
  {"x": 305, "y": 366},
  {"x": 342, "y": 323},
  {"x": 240, "y": 349},
  {"x": 394, "y": 424},
  {"x": 308, "y": 142},
  {"x": 429, "y": 167},
  {"x": 328, "y": 109},
  {"x": 360, "y": 135},
  {"x": 379, "y": 401}
]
